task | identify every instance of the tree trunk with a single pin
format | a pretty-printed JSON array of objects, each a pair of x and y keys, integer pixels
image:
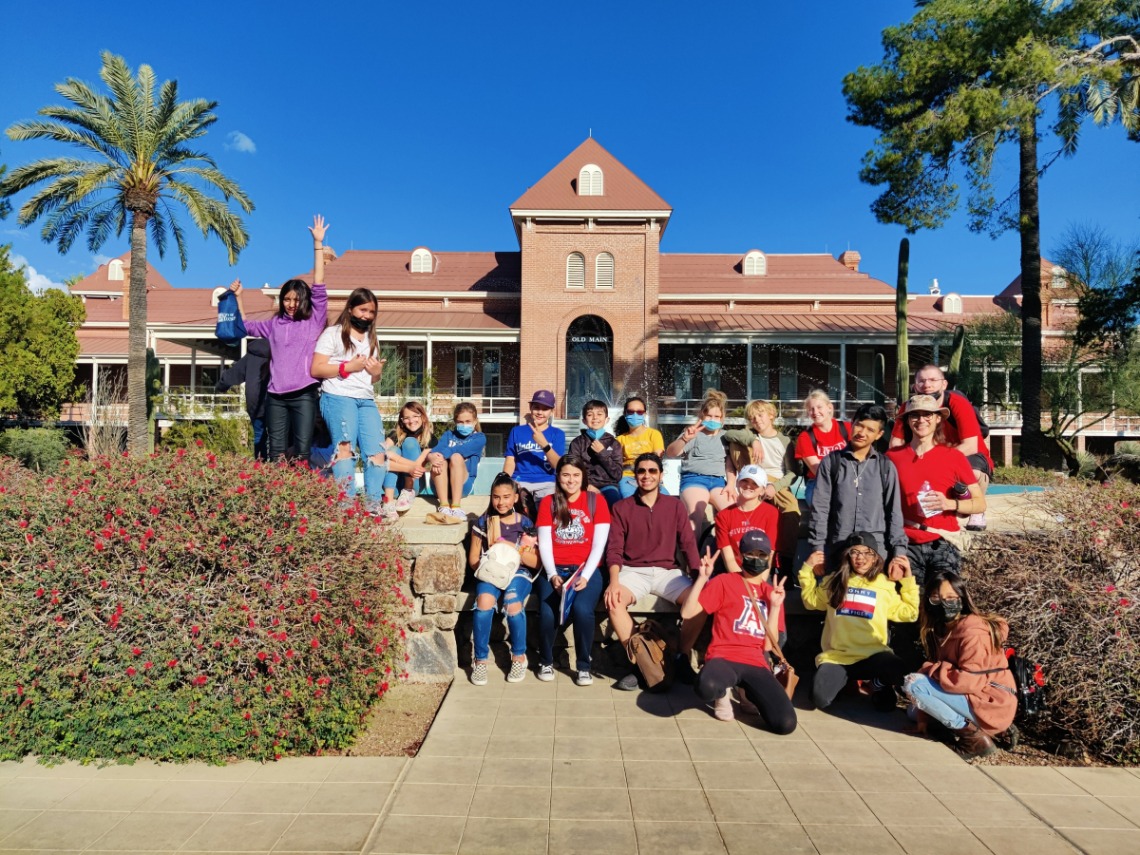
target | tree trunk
[
  {"x": 1029, "y": 226},
  {"x": 137, "y": 441}
]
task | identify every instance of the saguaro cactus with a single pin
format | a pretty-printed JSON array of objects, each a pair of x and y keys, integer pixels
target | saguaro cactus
[
  {"x": 955, "y": 367},
  {"x": 902, "y": 372},
  {"x": 880, "y": 375}
]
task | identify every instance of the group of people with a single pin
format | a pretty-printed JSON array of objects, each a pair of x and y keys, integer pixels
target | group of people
[{"x": 593, "y": 518}]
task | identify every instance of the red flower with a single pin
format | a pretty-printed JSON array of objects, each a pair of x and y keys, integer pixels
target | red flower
[
  {"x": 39, "y": 592},
  {"x": 137, "y": 651},
  {"x": 262, "y": 655},
  {"x": 289, "y": 653},
  {"x": 131, "y": 672},
  {"x": 315, "y": 644},
  {"x": 23, "y": 523},
  {"x": 173, "y": 663},
  {"x": 194, "y": 629},
  {"x": 317, "y": 617},
  {"x": 200, "y": 680},
  {"x": 199, "y": 443},
  {"x": 245, "y": 715},
  {"x": 1124, "y": 601},
  {"x": 147, "y": 666}
]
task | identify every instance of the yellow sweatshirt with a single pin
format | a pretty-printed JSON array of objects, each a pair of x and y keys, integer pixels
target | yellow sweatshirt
[{"x": 858, "y": 628}]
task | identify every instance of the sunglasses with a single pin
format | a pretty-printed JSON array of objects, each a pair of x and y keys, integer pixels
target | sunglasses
[
  {"x": 647, "y": 472},
  {"x": 635, "y": 412}
]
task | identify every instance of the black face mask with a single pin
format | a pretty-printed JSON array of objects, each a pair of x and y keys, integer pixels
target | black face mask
[
  {"x": 754, "y": 566},
  {"x": 359, "y": 324},
  {"x": 950, "y": 609}
]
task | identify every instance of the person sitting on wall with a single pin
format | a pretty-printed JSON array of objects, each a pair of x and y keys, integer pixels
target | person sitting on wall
[
  {"x": 707, "y": 476},
  {"x": 764, "y": 446},
  {"x": 824, "y": 435},
  {"x": 646, "y": 531},
  {"x": 857, "y": 489},
  {"x": 961, "y": 429},
  {"x": 601, "y": 451},
  {"x": 534, "y": 448},
  {"x": 636, "y": 438}
]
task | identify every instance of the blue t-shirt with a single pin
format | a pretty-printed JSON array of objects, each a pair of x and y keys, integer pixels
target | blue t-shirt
[
  {"x": 471, "y": 447},
  {"x": 530, "y": 461}
]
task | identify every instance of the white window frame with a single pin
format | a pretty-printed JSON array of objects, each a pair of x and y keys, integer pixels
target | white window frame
[
  {"x": 576, "y": 271},
  {"x": 590, "y": 180},
  {"x": 115, "y": 270},
  {"x": 492, "y": 356},
  {"x": 422, "y": 261},
  {"x": 604, "y": 271},
  {"x": 755, "y": 264}
]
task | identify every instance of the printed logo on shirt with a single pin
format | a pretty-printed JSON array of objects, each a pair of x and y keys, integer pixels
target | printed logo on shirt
[
  {"x": 747, "y": 623},
  {"x": 575, "y": 532},
  {"x": 858, "y": 602},
  {"x": 825, "y": 450}
]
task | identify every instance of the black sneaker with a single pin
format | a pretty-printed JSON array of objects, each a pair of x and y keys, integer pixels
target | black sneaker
[
  {"x": 683, "y": 670},
  {"x": 628, "y": 683}
]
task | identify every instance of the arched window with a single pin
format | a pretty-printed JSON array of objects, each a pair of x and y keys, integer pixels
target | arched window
[
  {"x": 422, "y": 261},
  {"x": 952, "y": 304},
  {"x": 590, "y": 180},
  {"x": 604, "y": 271},
  {"x": 755, "y": 264},
  {"x": 575, "y": 270},
  {"x": 115, "y": 270},
  {"x": 589, "y": 362}
]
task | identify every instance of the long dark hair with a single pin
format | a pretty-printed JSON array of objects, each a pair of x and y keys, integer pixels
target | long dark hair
[
  {"x": 836, "y": 583},
  {"x": 501, "y": 480},
  {"x": 560, "y": 508},
  {"x": 620, "y": 426},
  {"x": 359, "y": 297},
  {"x": 304, "y": 295},
  {"x": 939, "y": 433},
  {"x": 932, "y": 626}
]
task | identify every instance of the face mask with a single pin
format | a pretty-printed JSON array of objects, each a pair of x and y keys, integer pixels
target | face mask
[
  {"x": 951, "y": 609},
  {"x": 709, "y": 424},
  {"x": 360, "y": 324},
  {"x": 465, "y": 430},
  {"x": 754, "y": 566},
  {"x": 635, "y": 420},
  {"x": 595, "y": 433}
]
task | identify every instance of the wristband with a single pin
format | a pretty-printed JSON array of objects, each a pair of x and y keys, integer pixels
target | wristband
[
  {"x": 342, "y": 371},
  {"x": 546, "y": 449}
]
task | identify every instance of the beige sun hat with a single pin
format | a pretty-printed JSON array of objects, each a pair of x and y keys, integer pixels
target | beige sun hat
[{"x": 925, "y": 404}]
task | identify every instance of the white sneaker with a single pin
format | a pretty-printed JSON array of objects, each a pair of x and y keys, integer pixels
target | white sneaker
[
  {"x": 722, "y": 708},
  {"x": 479, "y": 673},
  {"x": 518, "y": 671},
  {"x": 388, "y": 513},
  {"x": 584, "y": 678},
  {"x": 976, "y": 522},
  {"x": 545, "y": 673},
  {"x": 404, "y": 501}
]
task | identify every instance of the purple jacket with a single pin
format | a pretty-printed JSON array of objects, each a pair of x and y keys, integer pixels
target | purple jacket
[{"x": 292, "y": 343}]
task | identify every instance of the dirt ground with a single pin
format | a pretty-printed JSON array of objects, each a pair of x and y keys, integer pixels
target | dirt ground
[{"x": 399, "y": 723}]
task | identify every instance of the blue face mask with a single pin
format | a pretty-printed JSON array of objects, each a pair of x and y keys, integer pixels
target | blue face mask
[
  {"x": 709, "y": 424},
  {"x": 595, "y": 433},
  {"x": 465, "y": 430},
  {"x": 635, "y": 420}
]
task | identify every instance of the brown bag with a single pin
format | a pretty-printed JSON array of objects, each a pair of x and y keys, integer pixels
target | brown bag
[
  {"x": 783, "y": 671},
  {"x": 652, "y": 652}
]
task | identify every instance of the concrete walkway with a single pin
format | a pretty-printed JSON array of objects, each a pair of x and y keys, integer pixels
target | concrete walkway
[{"x": 554, "y": 768}]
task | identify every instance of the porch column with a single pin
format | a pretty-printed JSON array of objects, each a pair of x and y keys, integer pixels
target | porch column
[
  {"x": 193, "y": 368},
  {"x": 94, "y": 389},
  {"x": 166, "y": 374},
  {"x": 1007, "y": 449},
  {"x": 842, "y": 380},
  {"x": 748, "y": 371},
  {"x": 427, "y": 367}
]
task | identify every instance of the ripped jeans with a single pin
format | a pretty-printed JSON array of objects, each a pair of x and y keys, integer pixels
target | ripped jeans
[
  {"x": 951, "y": 709},
  {"x": 517, "y": 590},
  {"x": 357, "y": 422}
]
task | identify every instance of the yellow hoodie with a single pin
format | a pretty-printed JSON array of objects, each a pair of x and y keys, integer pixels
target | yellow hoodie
[{"x": 858, "y": 628}]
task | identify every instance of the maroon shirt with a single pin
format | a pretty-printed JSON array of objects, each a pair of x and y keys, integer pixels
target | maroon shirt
[{"x": 643, "y": 536}]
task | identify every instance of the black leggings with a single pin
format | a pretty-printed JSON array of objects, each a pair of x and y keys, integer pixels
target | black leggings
[
  {"x": 289, "y": 420},
  {"x": 760, "y": 685},
  {"x": 830, "y": 678}
]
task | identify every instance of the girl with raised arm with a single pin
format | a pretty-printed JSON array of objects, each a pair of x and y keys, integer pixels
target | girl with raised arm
[
  {"x": 302, "y": 312},
  {"x": 346, "y": 362}
]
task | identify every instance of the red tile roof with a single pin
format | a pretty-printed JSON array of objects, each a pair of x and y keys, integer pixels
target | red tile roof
[
  {"x": 98, "y": 280},
  {"x": 390, "y": 270},
  {"x": 675, "y": 319},
  {"x": 622, "y": 190},
  {"x": 807, "y": 275}
]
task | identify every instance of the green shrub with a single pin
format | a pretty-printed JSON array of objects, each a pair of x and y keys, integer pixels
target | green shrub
[
  {"x": 40, "y": 449},
  {"x": 1087, "y": 464},
  {"x": 1127, "y": 446},
  {"x": 1070, "y": 593},
  {"x": 222, "y": 435},
  {"x": 1029, "y": 476},
  {"x": 190, "y": 606}
]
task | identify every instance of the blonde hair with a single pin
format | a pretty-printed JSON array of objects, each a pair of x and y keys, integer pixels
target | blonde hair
[
  {"x": 714, "y": 398},
  {"x": 755, "y": 408},
  {"x": 817, "y": 395},
  {"x": 424, "y": 435},
  {"x": 467, "y": 407}
]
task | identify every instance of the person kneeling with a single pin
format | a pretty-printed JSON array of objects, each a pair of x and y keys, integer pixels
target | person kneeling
[{"x": 746, "y": 611}]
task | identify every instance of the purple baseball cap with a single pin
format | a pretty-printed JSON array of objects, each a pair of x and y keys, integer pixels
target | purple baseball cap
[{"x": 544, "y": 398}]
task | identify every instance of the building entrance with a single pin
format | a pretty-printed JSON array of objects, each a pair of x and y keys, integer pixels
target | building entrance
[{"x": 589, "y": 363}]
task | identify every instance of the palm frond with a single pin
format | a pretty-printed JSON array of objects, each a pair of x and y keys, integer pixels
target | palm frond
[
  {"x": 127, "y": 101},
  {"x": 225, "y": 185},
  {"x": 107, "y": 218},
  {"x": 176, "y": 230},
  {"x": 157, "y": 225}
]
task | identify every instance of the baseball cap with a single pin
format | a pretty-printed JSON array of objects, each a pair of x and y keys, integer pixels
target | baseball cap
[
  {"x": 752, "y": 473},
  {"x": 755, "y": 540},
  {"x": 544, "y": 398},
  {"x": 864, "y": 538}
]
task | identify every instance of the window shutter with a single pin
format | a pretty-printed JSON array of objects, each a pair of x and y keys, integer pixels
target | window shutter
[
  {"x": 576, "y": 270},
  {"x": 604, "y": 272}
]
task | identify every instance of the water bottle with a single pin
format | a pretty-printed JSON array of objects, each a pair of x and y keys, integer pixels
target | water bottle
[
  {"x": 959, "y": 491},
  {"x": 923, "y": 491}
]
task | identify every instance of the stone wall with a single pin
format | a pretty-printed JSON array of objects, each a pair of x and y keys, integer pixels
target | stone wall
[{"x": 438, "y": 564}]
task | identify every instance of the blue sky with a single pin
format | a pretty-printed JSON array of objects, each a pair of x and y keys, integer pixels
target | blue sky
[{"x": 419, "y": 124}]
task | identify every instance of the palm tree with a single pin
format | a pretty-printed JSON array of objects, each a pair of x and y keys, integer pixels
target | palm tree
[{"x": 143, "y": 166}]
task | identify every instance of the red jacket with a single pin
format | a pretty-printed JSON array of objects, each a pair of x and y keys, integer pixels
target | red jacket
[{"x": 969, "y": 648}]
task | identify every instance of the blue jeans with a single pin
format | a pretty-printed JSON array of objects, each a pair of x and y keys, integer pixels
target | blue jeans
[
  {"x": 709, "y": 482},
  {"x": 517, "y": 590},
  {"x": 581, "y": 615},
  {"x": 260, "y": 439},
  {"x": 409, "y": 449},
  {"x": 952, "y": 710},
  {"x": 628, "y": 486},
  {"x": 357, "y": 422},
  {"x": 611, "y": 494}
]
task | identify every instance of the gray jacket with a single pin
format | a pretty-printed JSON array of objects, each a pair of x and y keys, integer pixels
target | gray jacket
[{"x": 852, "y": 495}]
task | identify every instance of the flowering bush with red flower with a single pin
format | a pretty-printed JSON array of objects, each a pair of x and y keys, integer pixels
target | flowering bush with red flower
[
  {"x": 190, "y": 606},
  {"x": 1068, "y": 584}
]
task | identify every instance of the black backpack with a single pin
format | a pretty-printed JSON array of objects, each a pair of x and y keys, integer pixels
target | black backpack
[
  {"x": 801, "y": 467},
  {"x": 1030, "y": 682}
]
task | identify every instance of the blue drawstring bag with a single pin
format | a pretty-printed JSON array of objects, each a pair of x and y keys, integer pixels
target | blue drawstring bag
[{"x": 230, "y": 328}]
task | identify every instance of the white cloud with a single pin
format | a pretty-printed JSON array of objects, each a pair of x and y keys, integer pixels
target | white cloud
[
  {"x": 36, "y": 281},
  {"x": 100, "y": 260},
  {"x": 237, "y": 141}
]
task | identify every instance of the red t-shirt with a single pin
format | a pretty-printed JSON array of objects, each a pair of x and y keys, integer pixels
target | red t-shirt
[
  {"x": 732, "y": 523},
  {"x": 828, "y": 442},
  {"x": 941, "y": 466},
  {"x": 572, "y": 543},
  {"x": 737, "y": 634},
  {"x": 962, "y": 424}
]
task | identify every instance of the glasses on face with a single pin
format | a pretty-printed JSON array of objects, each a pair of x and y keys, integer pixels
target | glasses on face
[
  {"x": 635, "y": 412},
  {"x": 647, "y": 472},
  {"x": 935, "y": 600},
  {"x": 920, "y": 417},
  {"x": 860, "y": 553}
]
